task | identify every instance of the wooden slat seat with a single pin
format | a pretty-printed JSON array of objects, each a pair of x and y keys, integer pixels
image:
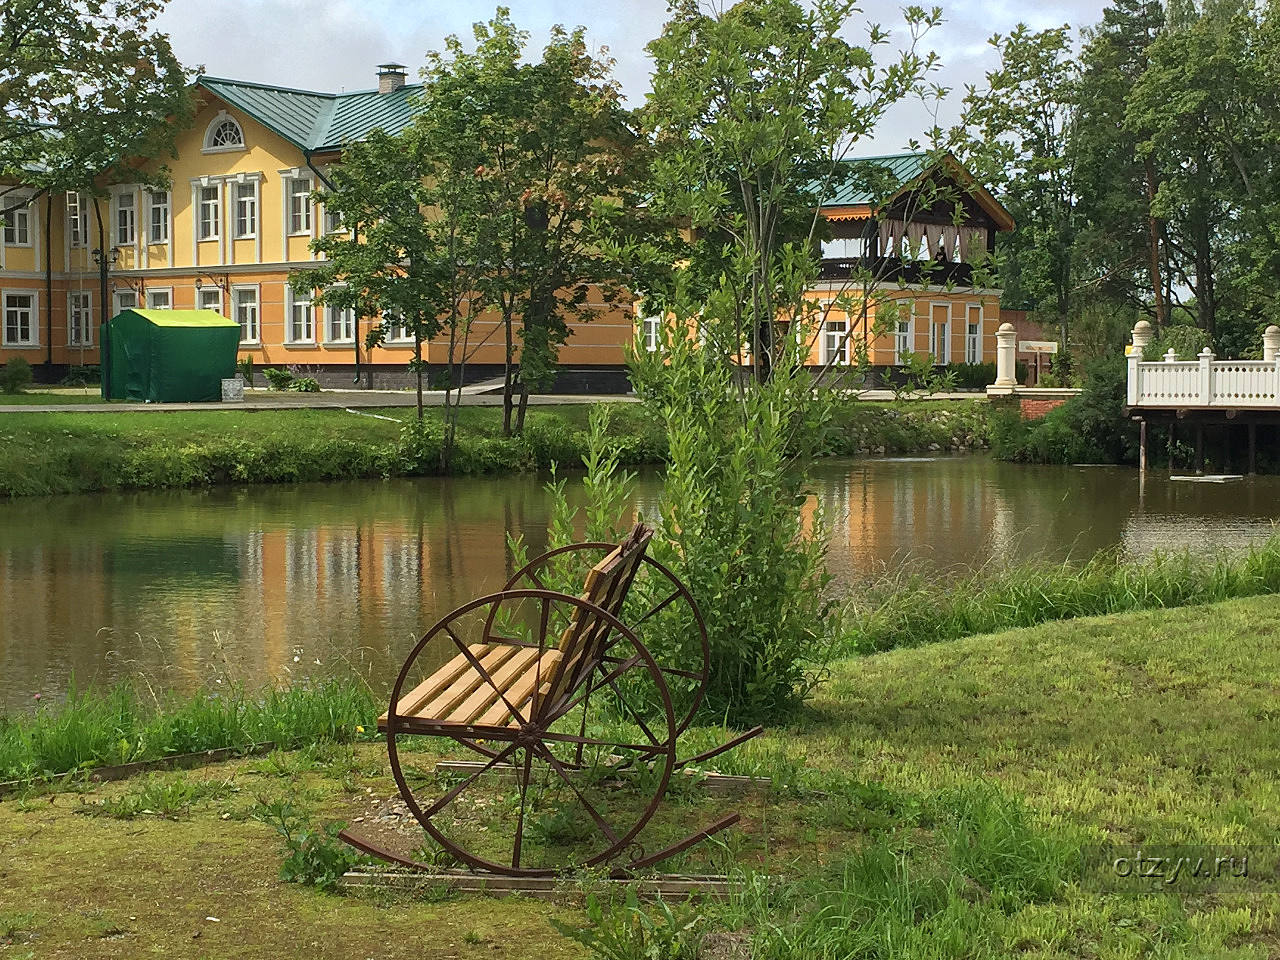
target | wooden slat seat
[{"x": 521, "y": 676}]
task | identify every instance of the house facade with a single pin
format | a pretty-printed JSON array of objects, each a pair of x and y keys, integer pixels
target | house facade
[{"x": 239, "y": 217}]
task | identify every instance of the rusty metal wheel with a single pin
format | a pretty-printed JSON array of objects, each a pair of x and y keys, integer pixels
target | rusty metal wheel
[
  {"x": 659, "y": 610},
  {"x": 570, "y": 780}
]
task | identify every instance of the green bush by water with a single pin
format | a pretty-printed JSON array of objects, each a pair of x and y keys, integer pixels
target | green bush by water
[
  {"x": 121, "y": 726},
  {"x": 914, "y": 609}
]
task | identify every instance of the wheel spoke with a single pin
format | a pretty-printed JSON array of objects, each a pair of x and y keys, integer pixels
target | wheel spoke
[
  {"x": 524, "y": 789},
  {"x": 453, "y": 793},
  {"x": 675, "y": 594},
  {"x": 484, "y": 674},
  {"x": 595, "y": 814},
  {"x": 631, "y": 710},
  {"x": 623, "y": 667}
]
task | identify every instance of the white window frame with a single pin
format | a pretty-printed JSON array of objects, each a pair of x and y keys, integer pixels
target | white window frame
[
  {"x": 206, "y": 144},
  {"x": 154, "y": 204},
  {"x": 85, "y": 313},
  {"x": 151, "y": 292},
  {"x": 124, "y": 229},
  {"x": 343, "y": 315},
  {"x": 204, "y": 293},
  {"x": 904, "y": 331},
  {"x": 973, "y": 338},
  {"x": 256, "y": 326},
  {"x": 119, "y": 296},
  {"x": 393, "y": 326},
  {"x": 835, "y": 342},
  {"x": 17, "y": 219},
  {"x": 298, "y": 206},
  {"x": 650, "y": 329},
  {"x": 292, "y": 301},
  {"x": 33, "y": 318},
  {"x": 942, "y": 356},
  {"x": 77, "y": 228},
  {"x": 240, "y": 203},
  {"x": 215, "y": 222},
  {"x": 333, "y": 221}
]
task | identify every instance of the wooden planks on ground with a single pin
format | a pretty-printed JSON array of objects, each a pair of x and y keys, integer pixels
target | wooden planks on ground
[{"x": 668, "y": 886}]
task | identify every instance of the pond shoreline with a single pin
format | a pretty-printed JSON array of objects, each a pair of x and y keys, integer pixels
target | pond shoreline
[{"x": 52, "y": 453}]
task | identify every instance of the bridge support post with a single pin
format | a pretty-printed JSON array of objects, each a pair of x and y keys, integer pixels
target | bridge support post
[
  {"x": 1142, "y": 446},
  {"x": 1253, "y": 448}
]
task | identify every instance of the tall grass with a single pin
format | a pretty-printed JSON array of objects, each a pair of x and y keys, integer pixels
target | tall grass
[
  {"x": 122, "y": 726},
  {"x": 913, "y": 608}
]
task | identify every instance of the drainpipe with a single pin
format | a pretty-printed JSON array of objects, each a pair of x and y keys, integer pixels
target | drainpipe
[{"x": 48, "y": 274}]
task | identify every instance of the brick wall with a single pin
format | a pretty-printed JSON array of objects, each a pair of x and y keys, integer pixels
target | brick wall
[{"x": 1033, "y": 408}]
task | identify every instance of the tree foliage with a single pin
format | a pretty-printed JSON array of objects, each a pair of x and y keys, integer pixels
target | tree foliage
[{"x": 87, "y": 89}]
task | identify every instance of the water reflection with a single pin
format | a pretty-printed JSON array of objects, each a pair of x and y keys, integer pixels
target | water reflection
[{"x": 268, "y": 583}]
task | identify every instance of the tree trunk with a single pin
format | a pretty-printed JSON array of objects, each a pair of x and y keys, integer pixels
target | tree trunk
[
  {"x": 524, "y": 405},
  {"x": 508, "y": 371},
  {"x": 1206, "y": 303},
  {"x": 1153, "y": 240},
  {"x": 417, "y": 365}
]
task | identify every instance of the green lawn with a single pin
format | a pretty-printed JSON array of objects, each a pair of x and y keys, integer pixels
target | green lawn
[{"x": 930, "y": 803}]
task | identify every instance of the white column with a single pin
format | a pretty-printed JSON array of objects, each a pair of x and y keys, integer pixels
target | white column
[
  {"x": 1142, "y": 334},
  {"x": 1141, "y": 339},
  {"x": 1006, "y": 356},
  {"x": 1205, "y": 379},
  {"x": 1271, "y": 343}
]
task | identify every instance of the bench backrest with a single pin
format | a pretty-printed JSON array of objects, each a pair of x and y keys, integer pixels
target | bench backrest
[{"x": 585, "y": 640}]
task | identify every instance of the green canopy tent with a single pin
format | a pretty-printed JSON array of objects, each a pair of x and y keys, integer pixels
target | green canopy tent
[{"x": 169, "y": 356}]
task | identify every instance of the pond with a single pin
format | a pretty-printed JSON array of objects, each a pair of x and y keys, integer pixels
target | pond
[{"x": 265, "y": 584}]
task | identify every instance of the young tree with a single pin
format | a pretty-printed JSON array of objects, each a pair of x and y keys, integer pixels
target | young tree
[
  {"x": 752, "y": 112},
  {"x": 1021, "y": 126},
  {"x": 87, "y": 89},
  {"x": 408, "y": 252},
  {"x": 551, "y": 139}
]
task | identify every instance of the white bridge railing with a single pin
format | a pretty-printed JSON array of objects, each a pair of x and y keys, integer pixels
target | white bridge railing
[{"x": 1204, "y": 382}]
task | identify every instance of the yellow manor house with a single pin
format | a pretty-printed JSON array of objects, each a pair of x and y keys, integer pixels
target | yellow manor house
[{"x": 240, "y": 216}]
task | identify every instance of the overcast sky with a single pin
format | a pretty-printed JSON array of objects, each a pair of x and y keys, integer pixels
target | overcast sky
[{"x": 336, "y": 44}]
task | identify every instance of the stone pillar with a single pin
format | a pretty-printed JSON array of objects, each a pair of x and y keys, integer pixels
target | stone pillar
[
  {"x": 1271, "y": 343},
  {"x": 1205, "y": 379},
  {"x": 1142, "y": 334},
  {"x": 1006, "y": 356}
]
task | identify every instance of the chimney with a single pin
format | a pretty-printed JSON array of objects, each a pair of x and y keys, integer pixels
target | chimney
[{"x": 390, "y": 77}]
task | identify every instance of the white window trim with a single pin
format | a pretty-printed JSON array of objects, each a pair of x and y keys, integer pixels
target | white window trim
[
  {"x": 235, "y": 208},
  {"x": 200, "y": 187},
  {"x": 216, "y": 122},
  {"x": 114, "y": 233},
  {"x": 168, "y": 218},
  {"x": 975, "y": 340},
  {"x": 290, "y": 300},
  {"x": 204, "y": 290},
  {"x": 324, "y": 313},
  {"x": 942, "y": 357},
  {"x": 29, "y": 211},
  {"x": 288, "y": 207},
  {"x": 146, "y": 299},
  {"x": 88, "y": 324},
  {"x": 910, "y": 334},
  {"x": 830, "y": 355},
  {"x": 651, "y": 339},
  {"x": 257, "y": 303},
  {"x": 35, "y": 318},
  {"x": 81, "y": 215}
]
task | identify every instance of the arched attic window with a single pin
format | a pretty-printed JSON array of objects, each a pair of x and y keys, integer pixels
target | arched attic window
[{"x": 222, "y": 134}]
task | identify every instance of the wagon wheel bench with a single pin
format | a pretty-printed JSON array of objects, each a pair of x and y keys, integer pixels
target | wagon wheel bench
[{"x": 551, "y": 689}]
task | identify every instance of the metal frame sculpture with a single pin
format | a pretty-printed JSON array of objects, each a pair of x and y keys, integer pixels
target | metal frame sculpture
[{"x": 515, "y": 700}]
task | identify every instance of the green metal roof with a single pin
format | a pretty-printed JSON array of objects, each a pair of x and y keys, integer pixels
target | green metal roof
[
  {"x": 870, "y": 178},
  {"x": 183, "y": 318},
  {"x": 318, "y": 121}
]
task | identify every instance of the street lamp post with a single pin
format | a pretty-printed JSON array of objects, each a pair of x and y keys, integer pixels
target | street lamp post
[{"x": 105, "y": 262}]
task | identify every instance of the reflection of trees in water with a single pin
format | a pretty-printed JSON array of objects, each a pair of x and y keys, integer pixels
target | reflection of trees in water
[{"x": 352, "y": 574}]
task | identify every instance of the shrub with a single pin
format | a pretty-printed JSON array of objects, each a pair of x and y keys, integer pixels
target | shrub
[
  {"x": 81, "y": 376},
  {"x": 245, "y": 366},
  {"x": 305, "y": 385},
  {"x": 15, "y": 375},
  {"x": 973, "y": 376},
  {"x": 1089, "y": 428},
  {"x": 277, "y": 379}
]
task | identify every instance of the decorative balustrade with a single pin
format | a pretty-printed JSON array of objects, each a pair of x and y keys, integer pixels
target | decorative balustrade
[{"x": 1204, "y": 382}]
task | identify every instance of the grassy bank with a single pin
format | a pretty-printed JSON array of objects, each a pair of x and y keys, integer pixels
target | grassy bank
[
  {"x": 914, "y": 608},
  {"x": 51, "y": 453},
  {"x": 930, "y": 803}
]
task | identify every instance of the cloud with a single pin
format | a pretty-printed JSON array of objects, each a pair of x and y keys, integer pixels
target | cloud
[{"x": 336, "y": 44}]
